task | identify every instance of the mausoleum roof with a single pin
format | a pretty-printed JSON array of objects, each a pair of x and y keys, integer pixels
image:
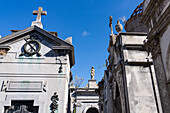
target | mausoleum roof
[
  {"x": 134, "y": 24},
  {"x": 60, "y": 44}
]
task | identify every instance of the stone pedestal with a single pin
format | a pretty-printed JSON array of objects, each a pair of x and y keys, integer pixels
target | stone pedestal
[{"x": 92, "y": 84}]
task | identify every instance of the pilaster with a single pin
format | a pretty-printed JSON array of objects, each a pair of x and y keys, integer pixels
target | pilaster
[{"x": 153, "y": 46}]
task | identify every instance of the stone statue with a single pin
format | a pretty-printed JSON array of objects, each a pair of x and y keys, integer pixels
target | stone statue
[
  {"x": 54, "y": 104},
  {"x": 92, "y": 72}
]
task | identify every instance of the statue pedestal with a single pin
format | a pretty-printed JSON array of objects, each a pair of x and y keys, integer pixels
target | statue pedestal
[{"x": 92, "y": 84}]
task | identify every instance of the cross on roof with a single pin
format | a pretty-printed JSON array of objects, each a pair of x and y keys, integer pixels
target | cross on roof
[
  {"x": 39, "y": 13},
  {"x": 38, "y": 20}
]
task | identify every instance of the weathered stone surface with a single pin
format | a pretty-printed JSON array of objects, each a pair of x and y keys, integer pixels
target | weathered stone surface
[
  {"x": 19, "y": 73},
  {"x": 165, "y": 51},
  {"x": 157, "y": 17},
  {"x": 133, "y": 40},
  {"x": 92, "y": 84},
  {"x": 129, "y": 83},
  {"x": 140, "y": 90}
]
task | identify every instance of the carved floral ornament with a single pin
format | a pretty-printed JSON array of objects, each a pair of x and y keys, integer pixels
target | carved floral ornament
[{"x": 153, "y": 46}]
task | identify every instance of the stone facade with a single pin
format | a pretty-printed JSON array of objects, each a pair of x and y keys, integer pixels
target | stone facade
[
  {"x": 156, "y": 17},
  {"x": 34, "y": 64},
  {"x": 85, "y": 100},
  {"x": 100, "y": 92},
  {"x": 129, "y": 84},
  {"x": 137, "y": 81}
]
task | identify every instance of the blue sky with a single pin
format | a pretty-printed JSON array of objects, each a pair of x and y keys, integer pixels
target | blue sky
[{"x": 87, "y": 21}]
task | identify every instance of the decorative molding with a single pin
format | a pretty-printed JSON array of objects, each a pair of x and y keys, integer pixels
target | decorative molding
[
  {"x": 153, "y": 46},
  {"x": 24, "y": 86},
  {"x": 58, "y": 42},
  {"x": 158, "y": 18},
  {"x": 32, "y": 46}
]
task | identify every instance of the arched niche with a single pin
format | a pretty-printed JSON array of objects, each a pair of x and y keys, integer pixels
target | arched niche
[{"x": 91, "y": 109}]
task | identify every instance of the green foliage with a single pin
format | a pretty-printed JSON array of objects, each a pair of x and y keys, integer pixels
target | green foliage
[{"x": 74, "y": 110}]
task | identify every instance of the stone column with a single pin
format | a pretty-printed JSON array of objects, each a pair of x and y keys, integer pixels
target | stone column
[{"x": 154, "y": 47}]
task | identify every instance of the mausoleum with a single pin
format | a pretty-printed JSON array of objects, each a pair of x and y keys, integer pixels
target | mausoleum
[{"x": 35, "y": 70}]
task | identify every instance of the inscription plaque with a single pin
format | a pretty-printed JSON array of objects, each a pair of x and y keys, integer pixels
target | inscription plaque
[{"x": 24, "y": 86}]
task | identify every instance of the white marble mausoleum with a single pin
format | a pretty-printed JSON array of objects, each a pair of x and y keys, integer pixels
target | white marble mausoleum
[{"x": 35, "y": 70}]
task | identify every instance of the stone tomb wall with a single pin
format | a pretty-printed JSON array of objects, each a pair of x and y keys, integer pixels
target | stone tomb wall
[
  {"x": 142, "y": 89},
  {"x": 40, "y": 90},
  {"x": 33, "y": 78},
  {"x": 165, "y": 50}
]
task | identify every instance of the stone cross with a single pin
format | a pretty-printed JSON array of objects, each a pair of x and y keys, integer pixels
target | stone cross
[
  {"x": 39, "y": 13},
  {"x": 38, "y": 19}
]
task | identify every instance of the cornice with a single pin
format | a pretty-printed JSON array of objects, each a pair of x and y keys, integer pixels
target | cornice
[
  {"x": 161, "y": 24},
  {"x": 149, "y": 11},
  {"x": 153, "y": 46}
]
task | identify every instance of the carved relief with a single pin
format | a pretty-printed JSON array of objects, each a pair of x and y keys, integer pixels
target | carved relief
[
  {"x": 153, "y": 46},
  {"x": 32, "y": 46}
]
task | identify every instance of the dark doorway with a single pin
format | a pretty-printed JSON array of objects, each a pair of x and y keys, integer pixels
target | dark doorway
[
  {"x": 27, "y": 103},
  {"x": 92, "y": 110}
]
